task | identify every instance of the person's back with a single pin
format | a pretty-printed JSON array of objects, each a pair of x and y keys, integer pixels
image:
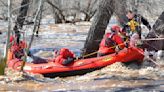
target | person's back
[
  {"x": 110, "y": 41},
  {"x": 17, "y": 48},
  {"x": 104, "y": 47},
  {"x": 65, "y": 57}
]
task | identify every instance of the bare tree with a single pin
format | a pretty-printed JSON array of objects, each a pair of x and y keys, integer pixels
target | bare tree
[
  {"x": 21, "y": 18},
  {"x": 104, "y": 12},
  {"x": 4, "y": 60},
  {"x": 58, "y": 12},
  {"x": 89, "y": 10},
  {"x": 120, "y": 11},
  {"x": 38, "y": 14},
  {"x": 158, "y": 27},
  {"x": 97, "y": 29},
  {"x": 157, "y": 32}
]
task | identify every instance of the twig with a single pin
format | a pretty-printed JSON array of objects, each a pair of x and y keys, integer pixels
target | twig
[
  {"x": 4, "y": 3},
  {"x": 21, "y": 7},
  {"x": 153, "y": 61},
  {"x": 35, "y": 22}
]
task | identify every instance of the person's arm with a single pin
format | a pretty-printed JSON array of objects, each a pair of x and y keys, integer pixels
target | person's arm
[
  {"x": 145, "y": 22},
  {"x": 119, "y": 42},
  {"x": 68, "y": 61}
]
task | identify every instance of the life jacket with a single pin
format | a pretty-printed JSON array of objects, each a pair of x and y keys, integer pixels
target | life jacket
[
  {"x": 18, "y": 49},
  {"x": 63, "y": 55},
  {"x": 110, "y": 40},
  {"x": 133, "y": 24},
  {"x": 66, "y": 53}
]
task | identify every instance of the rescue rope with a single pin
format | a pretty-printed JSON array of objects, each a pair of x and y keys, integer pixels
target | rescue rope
[
  {"x": 152, "y": 39},
  {"x": 151, "y": 46},
  {"x": 93, "y": 53}
]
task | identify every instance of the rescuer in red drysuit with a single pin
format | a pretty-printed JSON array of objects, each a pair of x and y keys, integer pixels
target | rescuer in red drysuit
[
  {"x": 17, "y": 48},
  {"x": 64, "y": 57},
  {"x": 110, "y": 41}
]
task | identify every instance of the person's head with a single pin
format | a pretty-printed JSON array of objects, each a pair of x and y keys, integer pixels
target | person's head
[
  {"x": 115, "y": 28},
  {"x": 12, "y": 38},
  {"x": 130, "y": 14},
  {"x": 106, "y": 35},
  {"x": 64, "y": 52}
]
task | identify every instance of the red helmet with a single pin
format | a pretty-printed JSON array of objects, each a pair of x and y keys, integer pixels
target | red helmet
[
  {"x": 107, "y": 35},
  {"x": 115, "y": 28},
  {"x": 64, "y": 52},
  {"x": 123, "y": 32},
  {"x": 12, "y": 38}
]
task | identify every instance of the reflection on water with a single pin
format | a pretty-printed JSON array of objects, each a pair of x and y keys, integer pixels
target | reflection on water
[{"x": 116, "y": 77}]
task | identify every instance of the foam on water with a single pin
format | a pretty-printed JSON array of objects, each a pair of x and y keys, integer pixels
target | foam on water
[{"x": 116, "y": 77}]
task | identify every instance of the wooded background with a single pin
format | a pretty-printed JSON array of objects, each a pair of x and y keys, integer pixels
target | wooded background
[
  {"x": 81, "y": 10},
  {"x": 71, "y": 11}
]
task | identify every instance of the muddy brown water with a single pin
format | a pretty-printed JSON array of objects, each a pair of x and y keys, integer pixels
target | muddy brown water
[{"x": 116, "y": 77}]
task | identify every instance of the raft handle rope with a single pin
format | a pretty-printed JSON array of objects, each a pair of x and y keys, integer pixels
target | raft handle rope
[
  {"x": 93, "y": 53},
  {"x": 152, "y": 39}
]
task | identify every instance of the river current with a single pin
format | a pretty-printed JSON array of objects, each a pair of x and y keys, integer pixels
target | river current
[{"x": 113, "y": 78}]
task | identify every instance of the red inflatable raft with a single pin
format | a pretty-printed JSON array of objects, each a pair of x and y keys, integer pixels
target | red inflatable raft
[{"x": 82, "y": 66}]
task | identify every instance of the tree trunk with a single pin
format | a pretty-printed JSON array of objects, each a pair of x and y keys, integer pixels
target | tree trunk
[
  {"x": 2, "y": 66},
  {"x": 4, "y": 59},
  {"x": 87, "y": 17},
  {"x": 97, "y": 30},
  {"x": 38, "y": 14},
  {"x": 39, "y": 21},
  {"x": 120, "y": 11},
  {"x": 158, "y": 27},
  {"x": 58, "y": 13},
  {"x": 56, "y": 16},
  {"x": 21, "y": 18},
  {"x": 157, "y": 31}
]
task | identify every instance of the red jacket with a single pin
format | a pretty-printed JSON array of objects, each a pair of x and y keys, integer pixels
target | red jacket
[
  {"x": 63, "y": 55},
  {"x": 105, "y": 45},
  {"x": 17, "y": 47}
]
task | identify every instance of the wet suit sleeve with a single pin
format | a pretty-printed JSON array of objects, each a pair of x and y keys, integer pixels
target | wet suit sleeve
[
  {"x": 119, "y": 41},
  {"x": 67, "y": 61},
  {"x": 145, "y": 22}
]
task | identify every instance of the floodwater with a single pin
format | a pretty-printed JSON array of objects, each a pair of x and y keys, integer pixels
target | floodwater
[{"x": 116, "y": 77}]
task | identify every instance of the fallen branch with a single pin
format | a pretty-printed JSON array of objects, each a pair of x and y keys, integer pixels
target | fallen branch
[
  {"x": 34, "y": 30},
  {"x": 152, "y": 61},
  {"x": 152, "y": 39}
]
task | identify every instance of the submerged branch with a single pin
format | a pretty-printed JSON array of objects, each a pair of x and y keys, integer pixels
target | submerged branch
[{"x": 34, "y": 30}]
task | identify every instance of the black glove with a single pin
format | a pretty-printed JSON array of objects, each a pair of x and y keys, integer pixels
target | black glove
[
  {"x": 79, "y": 57},
  {"x": 68, "y": 61},
  {"x": 117, "y": 49},
  {"x": 139, "y": 43},
  {"x": 126, "y": 44}
]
